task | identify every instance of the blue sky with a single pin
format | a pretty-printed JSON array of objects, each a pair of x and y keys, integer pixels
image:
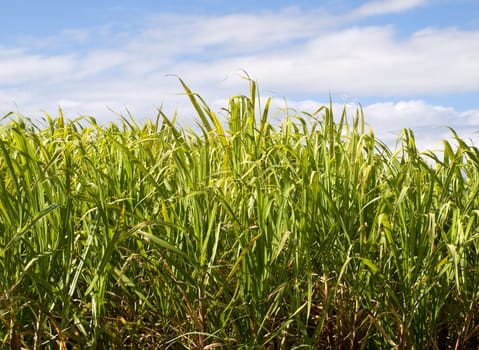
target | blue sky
[{"x": 409, "y": 63}]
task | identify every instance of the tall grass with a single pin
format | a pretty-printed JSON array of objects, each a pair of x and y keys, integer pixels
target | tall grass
[{"x": 309, "y": 233}]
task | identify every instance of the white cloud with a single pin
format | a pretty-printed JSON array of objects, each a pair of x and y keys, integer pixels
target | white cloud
[
  {"x": 430, "y": 123},
  {"x": 369, "y": 61},
  {"x": 100, "y": 61},
  {"x": 380, "y": 7},
  {"x": 358, "y": 60},
  {"x": 291, "y": 52},
  {"x": 17, "y": 67}
]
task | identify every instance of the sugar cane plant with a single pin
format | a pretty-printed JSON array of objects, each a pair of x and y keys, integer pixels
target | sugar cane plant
[{"x": 238, "y": 233}]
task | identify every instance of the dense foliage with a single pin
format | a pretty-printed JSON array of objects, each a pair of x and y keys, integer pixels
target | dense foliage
[{"x": 309, "y": 233}]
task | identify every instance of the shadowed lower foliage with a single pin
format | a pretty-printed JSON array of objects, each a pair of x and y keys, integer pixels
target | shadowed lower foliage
[{"x": 309, "y": 233}]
